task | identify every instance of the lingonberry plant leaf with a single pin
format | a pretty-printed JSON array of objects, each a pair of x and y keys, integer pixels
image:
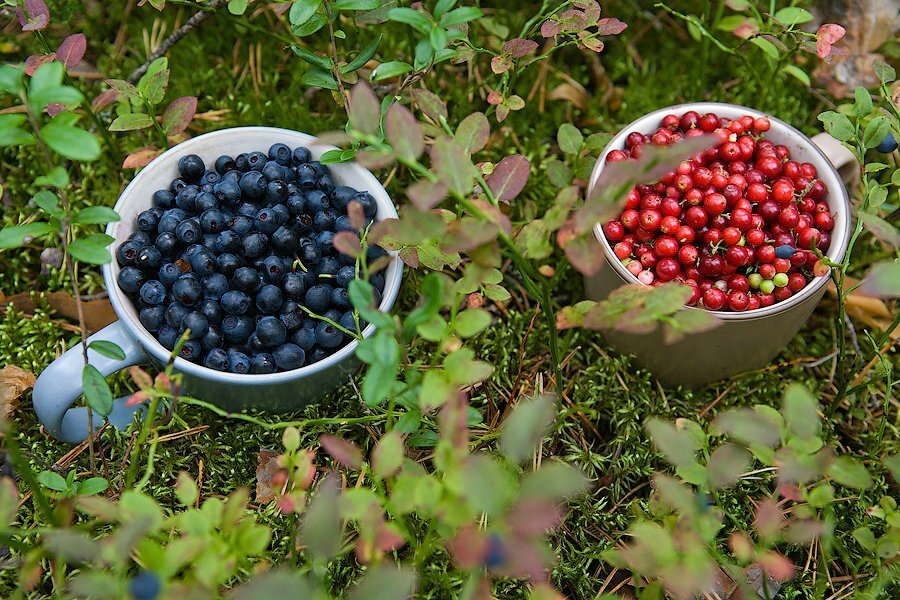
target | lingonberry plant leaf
[
  {"x": 426, "y": 194},
  {"x": 141, "y": 157},
  {"x": 509, "y": 177},
  {"x": 96, "y": 391},
  {"x": 404, "y": 133}
]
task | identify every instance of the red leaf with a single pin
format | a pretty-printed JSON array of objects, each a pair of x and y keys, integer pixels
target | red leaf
[
  {"x": 777, "y": 566},
  {"x": 266, "y": 467},
  {"x": 581, "y": 249},
  {"x": 534, "y": 516},
  {"x": 494, "y": 97},
  {"x": 426, "y": 194},
  {"x": 365, "y": 109},
  {"x": 140, "y": 377},
  {"x": 345, "y": 452},
  {"x": 178, "y": 114},
  {"x": 473, "y": 132},
  {"x": 357, "y": 215},
  {"x": 54, "y": 108},
  {"x": 433, "y": 107},
  {"x": 550, "y": 28},
  {"x": 827, "y": 35},
  {"x": 38, "y": 15},
  {"x": 610, "y": 26},
  {"x": 138, "y": 397},
  {"x": 72, "y": 50},
  {"x": 518, "y": 47},
  {"x": 104, "y": 99},
  {"x": 347, "y": 242},
  {"x": 500, "y": 64},
  {"x": 404, "y": 132},
  {"x": 140, "y": 158},
  {"x": 509, "y": 177},
  {"x": 36, "y": 60}
]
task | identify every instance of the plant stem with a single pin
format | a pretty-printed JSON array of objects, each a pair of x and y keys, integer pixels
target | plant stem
[
  {"x": 23, "y": 469},
  {"x": 281, "y": 424},
  {"x": 146, "y": 426},
  {"x": 345, "y": 100}
]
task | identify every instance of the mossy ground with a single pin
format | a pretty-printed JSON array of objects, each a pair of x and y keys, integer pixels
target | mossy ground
[{"x": 606, "y": 400}]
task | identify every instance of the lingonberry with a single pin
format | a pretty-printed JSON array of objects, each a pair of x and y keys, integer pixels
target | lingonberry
[{"x": 714, "y": 298}]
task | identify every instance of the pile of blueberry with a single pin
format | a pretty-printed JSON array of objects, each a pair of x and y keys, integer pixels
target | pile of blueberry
[{"x": 235, "y": 253}]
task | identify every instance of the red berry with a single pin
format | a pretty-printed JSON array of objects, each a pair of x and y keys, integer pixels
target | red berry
[
  {"x": 714, "y": 204},
  {"x": 735, "y": 256},
  {"x": 741, "y": 219},
  {"x": 767, "y": 271},
  {"x": 650, "y": 219},
  {"x": 696, "y": 217},
  {"x": 633, "y": 139},
  {"x": 684, "y": 234},
  {"x": 739, "y": 283},
  {"x": 730, "y": 151},
  {"x": 796, "y": 281},
  {"x": 688, "y": 255},
  {"x": 709, "y": 122},
  {"x": 738, "y": 301},
  {"x": 753, "y": 304},
  {"x": 670, "y": 121},
  {"x": 770, "y": 167},
  {"x": 782, "y": 265},
  {"x": 808, "y": 238},
  {"x": 766, "y": 299},
  {"x": 789, "y": 218},
  {"x": 761, "y": 124},
  {"x": 667, "y": 269},
  {"x": 614, "y": 231},
  {"x": 731, "y": 236},
  {"x": 616, "y": 156},
  {"x": 782, "y": 191},
  {"x": 783, "y": 293},
  {"x": 689, "y": 120},
  {"x": 669, "y": 225},
  {"x": 714, "y": 298},
  {"x": 824, "y": 221},
  {"x": 808, "y": 170},
  {"x": 755, "y": 237},
  {"x": 622, "y": 250},
  {"x": 649, "y": 201},
  {"x": 630, "y": 219},
  {"x": 711, "y": 266},
  {"x": 666, "y": 246}
]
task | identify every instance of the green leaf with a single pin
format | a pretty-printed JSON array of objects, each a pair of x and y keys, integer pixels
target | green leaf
[
  {"x": 387, "y": 457},
  {"x": 837, "y": 125},
  {"x": 726, "y": 464},
  {"x": 131, "y": 121},
  {"x": 92, "y": 486},
  {"x": 48, "y": 75},
  {"x": 96, "y": 391},
  {"x": 800, "y": 412},
  {"x": 408, "y": 16},
  {"x": 155, "y": 88},
  {"x": 11, "y": 79},
  {"x": 883, "y": 71},
  {"x": 876, "y": 130},
  {"x": 851, "y": 473},
  {"x": 382, "y": 352},
  {"x": 461, "y": 15},
  {"x": 69, "y": 141},
  {"x": 318, "y": 78},
  {"x": 863, "y": 104},
  {"x": 49, "y": 203},
  {"x": 793, "y": 15},
  {"x": 62, "y": 94},
  {"x": 314, "y": 24},
  {"x": 107, "y": 349},
  {"x": 770, "y": 49},
  {"x": 522, "y": 431},
  {"x": 14, "y": 235},
  {"x": 385, "y": 582},
  {"x": 798, "y": 73},
  {"x": 864, "y": 537},
  {"x": 95, "y": 215},
  {"x": 390, "y": 69},
  {"x": 237, "y": 7},
  {"x": 364, "y": 56},
  {"x": 472, "y": 321},
  {"x": 58, "y": 177},
  {"x": 881, "y": 228},
  {"x": 473, "y": 132},
  {"x": 363, "y": 300},
  {"x": 432, "y": 292},
  {"x": 569, "y": 138},
  {"x": 730, "y": 23},
  {"x": 302, "y": 11},
  {"x": 321, "y": 526},
  {"x": 91, "y": 250},
  {"x": 437, "y": 37},
  {"x": 356, "y": 4},
  {"x": 11, "y": 135},
  {"x": 452, "y": 165},
  {"x": 875, "y": 167},
  {"x": 321, "y": 62},
  {"x": 52, "y": 480},
  {"x": 442, "y": 6},
  {"x": 679, "y": 447}
]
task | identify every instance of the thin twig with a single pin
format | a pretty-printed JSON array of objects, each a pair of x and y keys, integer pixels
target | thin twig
[{"x": 176, "y": 36}]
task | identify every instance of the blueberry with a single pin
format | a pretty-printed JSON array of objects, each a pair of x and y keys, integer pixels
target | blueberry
[
  {"x": 329, "y": 265},
  {"x": 228, "y": 242},
  {"x": 263, "y": 363},
  {"x": 316, "y": 355},
  {"x": 888, "y": 144},
  {"x": 342, "y": 223},
  {"x": 228, "y": 192},
  {"x": 186, "y": 199},
  {"x": 303, "y": 224},
  {"x": 163, "y": 199},
  {"x": 203, "y": 263},
  {"x": 296, "y": 203},
  {"x": 191, "y": 350},
  {"x": 291, "y": 315},
  {"x": 212, "y": 339},
  {"x": 784, "y": 251},
  {"x": 280, "y": 153},
  {"x": 285, "y": 240},
  {"x": 271, "y": 331},
  {"x": 214, "y": 285},
  {"x": 192, "y": 250},
  {"x": 153, "y": 317},
  {"x": 300, "y": 156},
  {"x": 293, "y": 285},
  {"x": 247, "y": 209},
  {"x": 176, "y": 186},
  {"x": 167, "y": 244},
  {"x": 224, "y": 164},
  {"x": 344, "y": 276},
  {"x": 275, "y": 269},
  {"x": 237, "y": 328},
  {"x": 310, "y": 278},
  {"x": 254, "y": 244},
  {"x": 131, "y": 279},
  {"x": 272, "y": 171},
  {"x": 170, "y": 220},
  {"x": 305, "y": 338},
  {"x": 265, "y": 221},
  {"x": 306, "y": 176},
  {"x": 289, "y": 356},
  {"x": 149, "y": 259},
  {"x": 205, "y": 201},
  {"x": 235, "y": 302},
  {"x": 328, "y": 336},
  {"x": 191, "y": 167},
  {"x": 325, "y": 183},
  {"x": 256, "y": 160},
  {"x": 368, "y": 203},
  {"x": 216, "y": 359},
  {"x": 341, "y": 196},
  {"x": 276, "y": 192},
  {"x": 316, "y": 201},
  {"x": 167, "y": 336},
  {"x": 197, "y": 322},
  {"x": 246, "y": 279},
  {"x": 281, "y": 212},
  {"x": 377, "y": 281},
  {"x": 238, "y": 362},
  {"x": 209, "y": 178},
  {"x": 332, "y": 314},
  {"x": 188, "y": 231},
  {"x": 212, "y": 310},
  {"x": 147, "y": 221},
  {"x": 269, "y": 299},
  {"x": 212, "y": 221},
  {"x": 309, "y": 253},
  {"x": 340, "y": 298},
  {"x": 153, "y": 292},
  {"x": 227, "y": 264},
  {"x": 175, "y": 314},
  {"x": 127, "y": 252},
  {"x": 254, "y": 345},
  {"x": 144, "y": 586},
  {"x": 241, "y": 224},
  {"x": 241, "y": 163},
  {"x": 187, "y": 290},
  {"x": 349, "y": 323},
  {"x": 373, "y": 253},
  {"x": 318, "y": 298}
]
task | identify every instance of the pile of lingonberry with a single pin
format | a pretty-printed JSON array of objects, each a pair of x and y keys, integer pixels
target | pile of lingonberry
[
  {"x": 235, "y": 253},
  {"x": 741, "y": 223}
]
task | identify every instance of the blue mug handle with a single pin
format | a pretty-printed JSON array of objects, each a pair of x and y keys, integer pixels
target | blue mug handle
[{"x": 59, "y": 386}]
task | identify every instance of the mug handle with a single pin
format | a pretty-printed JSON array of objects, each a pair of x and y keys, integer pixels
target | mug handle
[
  {"x": 837, "y": 154},
  {"x": 59, "y": 386}
]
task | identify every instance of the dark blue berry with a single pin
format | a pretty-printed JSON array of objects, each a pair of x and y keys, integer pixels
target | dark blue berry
[
  {"x": 246, "y": 279},
  {"x": 368, "y": 203},
  {"x": 176, "y": 186},
  {"x": 296, "y": 203},
  {"x": 329, "y": 265},
  {"x": 253, "y": 184},
  {"x": 263, "y": 363},
  {"x": 212, "y": 221},
  {"x": 785, "y": 251},
  {"x": 318, "y": 298},
  {"x": 342, "y": 223},
  {"x": 153, "y": 317},
  {"x": 131, "y": 279},
  {"x": 281, "y": 212},
  {"x": 272, "y": 171},
  {"x": 344, "y": 276},
  {"x": 265, "y": 221},
  {"x": 349, "y": 323},
  {"x": 163, "y": 199},
  {"x": 189, "y": 232},
  {"x": 276, "y": 192},
  {"x": 175, "y": 314},
  {"x": 888, "y": 144},
  {"x": 280, "y": 153},
  {"x": 238, "y": 362},
  {"x": 303, "y": 224},
  {"x": 300, "y": 156},
  {"x": 167, "y": 336},
  {"x": 144, "y": 586},
  {"x": 309, "y": 253},
  {"x": 167, "y": 244},
  {"x": 153, "y": 292},
  {"x": 203, "y": 263},
  {"x": 254, "y": 244},
  {"x": 289, "y": 357},
  {"x": 324, "y": 219},
  {"x": 241, "y": 224},
  {"x": 377, "y": 281},
  {"x": 214, "y": 285},
  {"x": 187, "y": 290},
  {"x": 216, "y": 359},
  {"x": 191, "y": 167},
  {"x": 147, "y": 221},
  {"x": 224, "y": 164},
  {"x": 237, "y": 328},
  {"x": 170, "y": 220},
  {"x": 341, "y": 196},
  {"x": 269, "y": 299},
  {"x": 275, "y": 269},
  {"x": 316, "y": 201},
  {"x": 127, "y": 252},
  {"x": 148, "y": 259},
  {"x": 212, "y": 310},
  {"x": 328, "y": 336},
  {"x": 197, "y": 323},
  {"x": 235, "y": 302},
  {"x": 241, "y": 163},
  {"x": 227, "y": 242},
  {"x": 340, "y": 298},
  {"x": 291, "y": 315},
  {"x": 247, "y": 209},
  {"x": 205, "y": 201},
  {"x": 227, "y": 264},
  {"x": 212, "y": 339},
  {"x": 293, "y": 285},
  {"x": 256, "y": 160},
  {"x": 271, "y": 331},
  {"x": 316, "y": 355},
  {"x": 285, "y": 240},
  {"x": 306, "y": 176},
  {"x": 186, "y": 199},
  {"x": 228, "y": 192}
]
